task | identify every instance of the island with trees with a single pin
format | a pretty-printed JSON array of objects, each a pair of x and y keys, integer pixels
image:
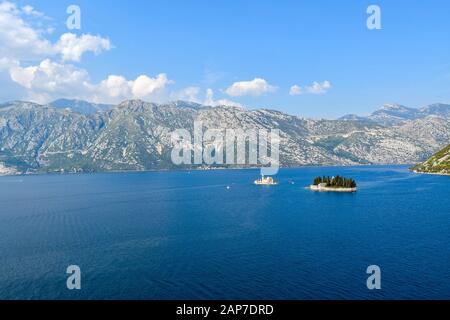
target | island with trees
[{"x": 334, "y": 184}]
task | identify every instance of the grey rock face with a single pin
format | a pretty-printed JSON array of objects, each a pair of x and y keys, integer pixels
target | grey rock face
[{"x": 136, "y": 135}]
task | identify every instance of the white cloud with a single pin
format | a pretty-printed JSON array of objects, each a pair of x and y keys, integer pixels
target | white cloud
[
  {"x": 51, "y": 80},
  {"x": 42, "y": 69},
  {"x": 6, "y": 63},
  {"x": 193, "y": 94},
  {"x": 23, "y": 76},
  {"x": 319, "y": 88},
  {"x": 209, "y": 101},
  {"x": 314, "y": 88},
  {"x": 145, "y": 86},
  {"x": 255, "y": 87},
  {"x": 295, "y": 90},
  {"x": 20, "y": 41},
  {"x": 22, "y": 44},
  {"x": 188, "y": 94},
  {"x": 113, "y": 89},
  {"x": 72, "y": 47},
  {"x": 29, "y": 10}
]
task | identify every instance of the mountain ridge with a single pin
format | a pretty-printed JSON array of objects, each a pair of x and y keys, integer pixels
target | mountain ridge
[
  {"x": 392, "y": 113},
  {"x": 80, "y": 106},
  {"x": 135, "y": 135}
]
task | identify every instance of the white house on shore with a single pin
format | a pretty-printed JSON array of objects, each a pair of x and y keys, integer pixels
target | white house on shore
[
  {"x": 319, "y": 186},
  {"x": 323, "y": 187}
]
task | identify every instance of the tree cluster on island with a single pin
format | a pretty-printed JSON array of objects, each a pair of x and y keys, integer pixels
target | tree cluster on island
[{"x": 335, "y": 182}]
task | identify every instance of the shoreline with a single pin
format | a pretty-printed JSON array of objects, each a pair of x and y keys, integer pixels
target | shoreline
[
  {"x": 431, "y": 173},
  {"x": 37, "y": 173},
  {"x": 330, "y": 189}
]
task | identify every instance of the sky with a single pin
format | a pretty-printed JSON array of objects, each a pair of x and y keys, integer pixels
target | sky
[{"x": 309, "y": 58}]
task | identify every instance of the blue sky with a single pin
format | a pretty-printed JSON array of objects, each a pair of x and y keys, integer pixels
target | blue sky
[{"x": 203, "y": 45}]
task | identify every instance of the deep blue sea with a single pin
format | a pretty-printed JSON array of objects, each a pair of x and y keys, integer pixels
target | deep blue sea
[{"x": 185, "y": 235}]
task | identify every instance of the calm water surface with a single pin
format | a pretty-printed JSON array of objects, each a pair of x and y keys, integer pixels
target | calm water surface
[{"x": 184, "y": 235}]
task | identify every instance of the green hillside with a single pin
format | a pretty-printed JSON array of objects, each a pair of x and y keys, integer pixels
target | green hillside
[{"x": 438, "y": 163}]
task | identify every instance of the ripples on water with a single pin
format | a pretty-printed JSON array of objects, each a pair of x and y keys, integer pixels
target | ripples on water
[{"x": 181, "y": 235}]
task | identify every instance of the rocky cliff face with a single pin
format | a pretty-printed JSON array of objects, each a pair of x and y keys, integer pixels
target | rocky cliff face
[{"x": 135, "y": 135}]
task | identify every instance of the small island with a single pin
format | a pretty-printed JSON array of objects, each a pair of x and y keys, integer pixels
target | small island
[
  {"x": 334, "y": 184},
  {"x": 266, "y": 181}
]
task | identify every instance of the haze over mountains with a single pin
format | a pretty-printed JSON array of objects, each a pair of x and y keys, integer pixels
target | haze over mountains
[
  {"x": 81, "y": 106},
  {"x": 391, "y": 114},
  {"x": 73, "y": 135}
]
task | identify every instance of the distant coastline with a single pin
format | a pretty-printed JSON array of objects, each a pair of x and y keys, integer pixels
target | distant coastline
[
  {"x": 195, "y": 169},
  {"x": 432, "y": 173}
]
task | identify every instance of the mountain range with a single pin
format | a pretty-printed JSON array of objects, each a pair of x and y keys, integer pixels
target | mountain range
[
  {"x": 391, "y": 114},
  {"x": 74, "y": 135}
]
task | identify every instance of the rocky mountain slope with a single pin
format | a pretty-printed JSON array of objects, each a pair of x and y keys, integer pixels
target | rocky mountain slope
[
  {"x": 80, "y": 106},
  {"x": 390, "y": 114},
  {"x": 439, "y": 163},
  {"x": 135, "y": 135}
]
